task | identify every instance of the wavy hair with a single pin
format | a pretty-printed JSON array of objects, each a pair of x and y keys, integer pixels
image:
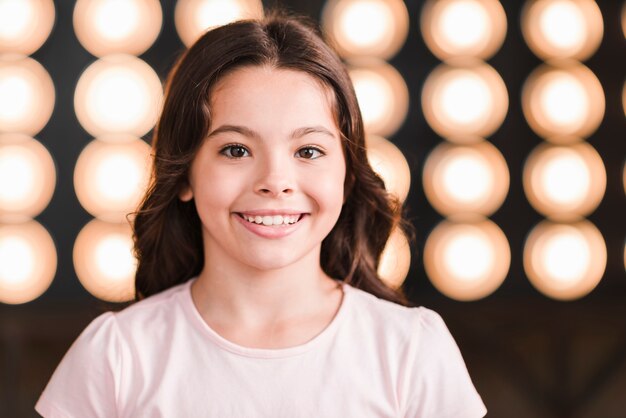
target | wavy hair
[{"x": 167, "y": 231}]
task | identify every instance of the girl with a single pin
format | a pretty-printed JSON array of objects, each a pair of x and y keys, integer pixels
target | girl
[{"x": 258, "y": 242}]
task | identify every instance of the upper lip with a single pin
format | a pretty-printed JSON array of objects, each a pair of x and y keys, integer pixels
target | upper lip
[{"x": 271, "y": 212}]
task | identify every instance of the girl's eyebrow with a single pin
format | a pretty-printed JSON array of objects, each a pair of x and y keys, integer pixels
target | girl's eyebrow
[{"x": 298, "y": 133}]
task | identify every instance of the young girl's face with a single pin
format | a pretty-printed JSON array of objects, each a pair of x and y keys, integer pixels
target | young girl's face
[{"x": 268, "y": 180}]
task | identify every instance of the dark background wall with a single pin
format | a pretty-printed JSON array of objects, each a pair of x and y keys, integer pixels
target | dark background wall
[{"x": 529, "y": 356}]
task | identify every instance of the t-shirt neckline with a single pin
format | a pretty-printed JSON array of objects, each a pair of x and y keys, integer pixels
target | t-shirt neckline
[{"x": 264, "y": 353}]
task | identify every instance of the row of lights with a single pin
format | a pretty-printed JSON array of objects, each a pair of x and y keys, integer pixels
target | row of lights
[{"x": 465, "y": 178}]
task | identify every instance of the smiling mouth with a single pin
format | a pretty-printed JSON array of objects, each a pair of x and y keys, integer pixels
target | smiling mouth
[{"x": 271, "y": 220}]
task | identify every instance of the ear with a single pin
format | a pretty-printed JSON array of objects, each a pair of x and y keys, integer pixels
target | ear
[{"x": 185, "y": 194}]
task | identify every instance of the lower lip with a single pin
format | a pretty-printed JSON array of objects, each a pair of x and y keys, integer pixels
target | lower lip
[{"x": 271, "y": 232}]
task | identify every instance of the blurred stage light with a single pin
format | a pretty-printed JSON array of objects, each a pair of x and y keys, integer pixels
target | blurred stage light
[
  {"x": 110, "y": 179},
  {"x": 25, "y": 25},
  {"x": 463, "y": 28},
  {"x": 562, "y": 28},
  {"x": 28, "y": 262},
  {"x": 117, "y": 26},
  {"x": 27, "y": 177},
  {"x": 104, "y": 261},
  {"x": 118, "y": 94},
  {"x": 194, "y": 17},
  {"x": 565, "y": 261},
  {"x": 466, "y": 179},
  {"x": 389, "y": 163},
  {"x": 372, "y": 28},
  {"x": 564, "y": 183},
  {"x": 382, "y": 94},
  {"x": 464, "y": 98},
  {"x": 395, "y": 260},
  {"x": 26, "y": 95},
  {"x": 563, "y": 101},
  {"x": 467, "y": 260}
]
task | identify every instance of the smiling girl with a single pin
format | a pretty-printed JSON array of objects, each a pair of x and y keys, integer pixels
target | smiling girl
[{"x": 258, "y": 242}]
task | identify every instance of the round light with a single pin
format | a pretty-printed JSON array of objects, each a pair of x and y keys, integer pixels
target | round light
[
  {"x": 26, "y": 95},
  {"x": 382, "y": 94},
  {"x": 466, "y": 179},
  {"x": 25, "y": 25},
  {"x": 27, "y": 177},
  {"x": 117, "y": 26},
  {"x": 194, "y": 17},
  {"x": 463, "y": 28},
  {"x": 104, "y": 261},
  {"x": 563, "y": 101},
  {"x": 564, "y": 182},
  {"x": 389, "y": 163},
  {"x": 372, "y": 28},
  {"x": 565, "y": 261},
  {"x": 467, "y": 260},
  {"x": 110, "y": 179},
  {"x": 395, "y": 260},
  {"x": 562, "y": 28},
  {"x": 464, "y": 98},
  {"x": 118, "y": 94},
  {"x": 28, "y": 262}
]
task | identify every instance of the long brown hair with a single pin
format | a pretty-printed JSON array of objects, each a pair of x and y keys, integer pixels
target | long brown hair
[{"x": 167, "y": 231}]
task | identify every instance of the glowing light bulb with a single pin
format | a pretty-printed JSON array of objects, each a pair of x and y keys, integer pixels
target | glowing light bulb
[
  {"x": 194, "y": 17},
  {"x": 104, "y": 261},
  {"x": 27, "y": 177},
  {"x": 395, "y": 260},
  {"x": 117, "y": 26},
  {"x": 564, "y": 182},
  {"x": 565, "y": 261},
  {"x": 382, "y": 94},
  {"x": 467, "y": 259},
  {"x": 111, "y": 178},
  {"x": 389, "y": 163},
  {"x": 464, "y": 98},
  {"x": 118, "y": 94},
  {"x": 28, "y": 261},
  {"x": 463, "y": 28},
  {"x": 366, "y": 28},
  {"x": 26, "y": 95},
  {"x": 466, "y": 179},
  {"x": 25, "y": 25}
]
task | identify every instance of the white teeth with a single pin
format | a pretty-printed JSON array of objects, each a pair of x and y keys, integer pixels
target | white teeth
[{"x": 269, "y": 220}]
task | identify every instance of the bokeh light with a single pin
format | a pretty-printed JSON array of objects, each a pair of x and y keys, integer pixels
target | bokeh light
[
  {"x": 27, "y": 177},
  {"x": 466, "y": 179},
  {"x": 562, "y": 28},
  {"x": 373, "y": 28},
  {"x": 117, "y": 26},
  {"x": 104, "y": 261},
  {"x": 28, "y": 261},
  {"x": 118, "y": 94},
  {"x": 111, "y": 178},
  {"x": 382, "y": 94},
  {"x": 463, "y": 28},
  {"x": 467, "y": 259},
  {"x": 26, "y": 95},
  {"x": 395, "y": 260},
  {"x": 563, "y": 99},
  {"x": 565, "y": 261},
  {"x": 464, "y": 98},
  {"x": 564, "y": 182},
  {"x": 194, "y": 17},
  {"x": 25, "y": 25},
  {"x": 389, "y": 163}
]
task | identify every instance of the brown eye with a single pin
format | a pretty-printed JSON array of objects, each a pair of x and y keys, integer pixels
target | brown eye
[
  {"x": 235, "y": 151},
  {"x": 309, "y": 153}
]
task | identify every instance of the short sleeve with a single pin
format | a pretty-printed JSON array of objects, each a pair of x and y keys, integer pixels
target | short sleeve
[
  {"x": 84, "y": 383},
  {"x": 439, "y": 385}
]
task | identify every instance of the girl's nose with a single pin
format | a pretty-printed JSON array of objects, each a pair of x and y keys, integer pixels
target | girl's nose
[{"x": 275, "y": 178}]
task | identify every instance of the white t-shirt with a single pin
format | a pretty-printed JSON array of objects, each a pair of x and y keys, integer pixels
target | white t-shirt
[{"x": 158, "y": 358}]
